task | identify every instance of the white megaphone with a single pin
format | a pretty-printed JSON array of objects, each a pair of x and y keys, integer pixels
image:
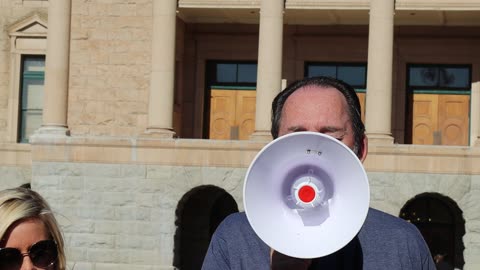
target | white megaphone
[{"x": 306, "y": 195}]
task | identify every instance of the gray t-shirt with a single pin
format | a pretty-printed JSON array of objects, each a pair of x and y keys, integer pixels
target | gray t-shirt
[{"x": 384, "y": 242}]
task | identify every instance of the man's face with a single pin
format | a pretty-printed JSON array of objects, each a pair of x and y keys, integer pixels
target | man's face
[{"x": 318, "y": 109}]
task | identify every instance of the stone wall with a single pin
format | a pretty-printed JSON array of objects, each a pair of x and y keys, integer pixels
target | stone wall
[
  {"x": 14, "y": 176},
  {"x": 390, "y": 191},
  {"x": 123, "y": 216},
  {"x": 15, "y": 165}
]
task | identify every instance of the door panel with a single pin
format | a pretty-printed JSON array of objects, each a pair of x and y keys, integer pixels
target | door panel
[
  {"x": 245, "y": 113},
  {"x": 453, "y": 119},
  {"x": 222, "y": 113},
  {"x": 425, "y": 118}
]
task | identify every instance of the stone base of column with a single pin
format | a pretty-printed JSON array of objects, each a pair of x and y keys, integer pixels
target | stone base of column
[
  {"x": 49, "y": 133},
  {"x": 161, "y": 133},
  {"x": 375, "y": 138},
  {"x": 477, "y": 142},
  {"x": 53, "y": 130},
  {"x": 261, "y": 135}
]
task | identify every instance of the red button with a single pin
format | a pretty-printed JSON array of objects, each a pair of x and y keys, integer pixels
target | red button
[{"x": 306, "y": 194}]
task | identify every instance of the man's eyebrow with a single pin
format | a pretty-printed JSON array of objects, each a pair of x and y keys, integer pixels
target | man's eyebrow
[
  {"x": 296, "y": 128},
  {"x": 331, "y": 129},
  {"x": 326, "y": 129}
]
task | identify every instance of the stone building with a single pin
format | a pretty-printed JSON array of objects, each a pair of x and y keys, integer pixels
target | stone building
[{"x": 139, "y": 126}]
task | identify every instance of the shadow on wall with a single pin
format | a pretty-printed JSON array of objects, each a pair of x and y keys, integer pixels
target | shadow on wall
[
  {"x": 198, "y": 214},
  {"x": 441, "y": 223}
]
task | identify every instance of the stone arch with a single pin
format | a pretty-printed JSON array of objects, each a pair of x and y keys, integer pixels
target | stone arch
[
  {"x": 441, "y": 223},
  {"x": 198, "y": 214}
]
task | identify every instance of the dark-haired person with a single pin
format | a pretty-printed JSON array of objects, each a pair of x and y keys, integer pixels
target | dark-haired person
[
  {"x": 331, "y": 107},
  {"x": 30, "y": 235}
]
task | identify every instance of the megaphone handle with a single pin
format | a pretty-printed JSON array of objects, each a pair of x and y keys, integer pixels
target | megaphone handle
[{"x": 280, "y": 261}]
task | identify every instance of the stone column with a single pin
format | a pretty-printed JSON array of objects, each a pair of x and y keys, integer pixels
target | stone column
[
  {"x": 475, "y": 114},
  {"x": 162, "y": 77},
  {"x": 269, "y": 75},
  {"x": 378, "y": 107},
  {"x": 57, "y": 68}
]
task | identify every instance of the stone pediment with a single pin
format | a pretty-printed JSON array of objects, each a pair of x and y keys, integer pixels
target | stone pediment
[{"x": 34, "y": 25}]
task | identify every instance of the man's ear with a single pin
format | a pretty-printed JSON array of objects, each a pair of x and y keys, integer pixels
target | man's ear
[{"x": 364, "y": 149}]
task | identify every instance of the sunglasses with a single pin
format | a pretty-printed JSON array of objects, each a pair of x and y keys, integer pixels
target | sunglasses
[{"x": 42, "y": 254}]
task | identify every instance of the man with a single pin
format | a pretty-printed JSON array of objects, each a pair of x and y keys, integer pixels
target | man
[{"x": 330, "y": 107}]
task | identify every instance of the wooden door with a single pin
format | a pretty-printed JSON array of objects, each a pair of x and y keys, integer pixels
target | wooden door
[
  {"x": 440, "y": 119},
  {"x": 232, "y": 114},
  {"x": 453, "y": 119}
]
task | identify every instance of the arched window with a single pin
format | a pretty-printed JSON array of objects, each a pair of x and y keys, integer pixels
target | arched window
[
  {"x": 199, "y": 213},
  {"x": 440, "y": 221}
]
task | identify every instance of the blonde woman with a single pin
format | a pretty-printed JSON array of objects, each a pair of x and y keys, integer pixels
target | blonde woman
[{"x": 30, "y": 235}]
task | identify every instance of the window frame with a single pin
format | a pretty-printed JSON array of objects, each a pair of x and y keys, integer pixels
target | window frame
[
  {"x": 212, "y": 71},
  {"x": 438, "y": 88},
  {"x": 21, "y": 138},
  {"x": 357, "y": 87}
]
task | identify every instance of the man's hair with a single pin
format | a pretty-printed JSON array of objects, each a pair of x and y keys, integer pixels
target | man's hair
[
  {"x": 21, "y": 204},
  {"x": 323, "y": 82}
]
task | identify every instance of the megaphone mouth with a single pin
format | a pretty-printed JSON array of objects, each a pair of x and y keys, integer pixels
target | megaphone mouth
[{"x": 306, "y": 188}]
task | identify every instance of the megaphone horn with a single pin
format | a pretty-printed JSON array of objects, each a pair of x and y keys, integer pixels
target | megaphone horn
[{"x": 306, "y": 195}]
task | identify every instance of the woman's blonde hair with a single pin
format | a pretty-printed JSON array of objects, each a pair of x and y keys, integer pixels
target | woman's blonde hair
[{"x": 21, "y": 203}]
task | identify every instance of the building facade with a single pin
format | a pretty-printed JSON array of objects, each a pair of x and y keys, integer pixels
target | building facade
[{"x": 137, "y": 119}]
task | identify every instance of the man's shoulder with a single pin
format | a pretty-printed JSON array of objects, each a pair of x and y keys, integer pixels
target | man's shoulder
[
  {"x": 235, "y": 221},
  {"x": 382, "y": 227},
  {"x": 390, "y": 242},
  {"x": 236, "y": 246},
  {"x": 236, "y": 218},
  {"x": 234, "y": 226},
  {"x": 381, "y": 220}
]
